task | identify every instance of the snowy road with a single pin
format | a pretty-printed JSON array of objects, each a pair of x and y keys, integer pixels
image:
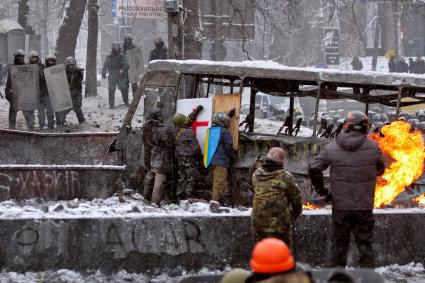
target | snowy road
[{"x": 412, "y": 273}]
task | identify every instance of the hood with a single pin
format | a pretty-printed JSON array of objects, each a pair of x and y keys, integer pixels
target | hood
[
  {"x": 263, "y": 175},
  {"x": 351, "y": 140}
]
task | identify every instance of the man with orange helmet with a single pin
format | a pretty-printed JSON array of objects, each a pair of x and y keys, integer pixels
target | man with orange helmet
[
  {"x": 277, "y": 199},
  {"x": 271, "y": 262},
  {"x": 355, "y": 162}
]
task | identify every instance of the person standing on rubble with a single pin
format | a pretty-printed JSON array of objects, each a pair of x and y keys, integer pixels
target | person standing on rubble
[
  {"x": 188, "y": 154},
  {"x": 19, "y": 59},
  {"x": 277, "y": 199},
  {"x": 159, "y": 139},
  {"x": 117, "y": 67},
  {"x": 223, "y": 156},
  {"x": 128, "y": 45},
  {"x": 75, "y": 76},
  {"x": 355, "y": 162}
]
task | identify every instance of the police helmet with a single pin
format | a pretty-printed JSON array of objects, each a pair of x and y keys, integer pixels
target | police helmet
[
  {"x": 33, "y": 53},
  {"x": 128, "y": 37},
  {"x": 159, "y": 41},
  {"x": 19, "y": 52},
  {"x": 356, "y": 121},
  {"x": 70, "y": 61},
  {"x": 116, "y": 46}
]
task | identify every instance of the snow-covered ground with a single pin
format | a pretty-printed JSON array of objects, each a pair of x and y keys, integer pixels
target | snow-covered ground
[
  {"x": 116, "y": 206},
  {"x": 99, "y": 118},
  {"x": 411, "y": 273}
]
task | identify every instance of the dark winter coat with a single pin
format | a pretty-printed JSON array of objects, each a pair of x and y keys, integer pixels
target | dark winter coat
[
  {"x": 357, "y": 65},
  {"x": 186, "y": 143},
  {"x": 392, "y": 66},
  {"x": 225, "y": 154},
  {"x": 420, "y": 67},
  {"x": 402, "y": 67},
  {"x": 354, "y": 162},
  {"x": 75, "y": 81},
  {"x": 113, "y": 63},
  {"x": 162, "y": 149},
  {"x": 159, "y": 53}
]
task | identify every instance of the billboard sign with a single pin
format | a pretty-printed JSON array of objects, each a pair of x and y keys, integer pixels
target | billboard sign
[{"x": 145, "y": 9}]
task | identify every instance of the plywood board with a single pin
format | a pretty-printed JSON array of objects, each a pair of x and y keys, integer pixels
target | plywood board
[{"x": 224, "y": 103}]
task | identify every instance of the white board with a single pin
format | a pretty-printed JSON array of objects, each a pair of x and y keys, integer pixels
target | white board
[
  {"x": 203, "y": 121},
  {"x": 58, "y": 87},
  {"x": 25, "y": 87},
  {"x": 135, "y": 61}
]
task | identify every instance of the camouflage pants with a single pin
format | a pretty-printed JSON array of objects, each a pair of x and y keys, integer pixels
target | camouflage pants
[
  {"x": 188, "y": 176},
  {"x": 28, "y": 115},
  {"x": 122, "y": 83},
  {"x": 219, "y": 182},
  {"x": 45, "y": 109},
  {"x": 361, "y": 224}
]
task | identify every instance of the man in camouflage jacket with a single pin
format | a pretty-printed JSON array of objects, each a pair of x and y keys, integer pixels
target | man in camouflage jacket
[{"x": 277, "y": 199}]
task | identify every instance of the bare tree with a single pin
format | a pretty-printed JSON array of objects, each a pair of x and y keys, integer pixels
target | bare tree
[
  {"x": 23, "y": 11},
  {"x": 93, "y": 29},
  {"x": 192, "y": 30},
  {"x": 68, "y": 31}
]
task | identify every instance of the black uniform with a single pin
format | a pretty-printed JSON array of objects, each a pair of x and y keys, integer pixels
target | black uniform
[
  {"x": 45, "y": 106},
  {"x": 129, "y": 46},
  {"x": 159, "y": 53},
  {"x": 114, "y": 63},
  {"x": 75, "y": 78}
]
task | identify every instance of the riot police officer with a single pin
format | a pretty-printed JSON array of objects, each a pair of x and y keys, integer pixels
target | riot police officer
[
  {"x": 117, "y": 67},
  {"x": 75, "y": 76},
  {"x": 128, "y": 45},
  {"x": 19, "y": 59}
]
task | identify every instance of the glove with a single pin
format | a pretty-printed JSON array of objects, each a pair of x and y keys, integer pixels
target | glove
[
  {"x": 104, "y": 76},
  {"x": 232, "y": 113},
  {"x": 199, "y": 108},
  {"x": 322, "y": 199}
]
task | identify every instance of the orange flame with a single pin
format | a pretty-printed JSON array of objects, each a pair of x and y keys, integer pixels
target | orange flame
[
  {"x": 407, "y": 152},
  {"x": 309, "y": 206},
  {"x": 421, "y": 200}
]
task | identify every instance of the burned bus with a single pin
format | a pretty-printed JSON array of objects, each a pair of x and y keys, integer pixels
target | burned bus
[{"x": 170, "y": 81}]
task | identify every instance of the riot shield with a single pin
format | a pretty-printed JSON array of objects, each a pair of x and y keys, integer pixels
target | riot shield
[
  {"x": 25, "y": 87},
  {"x": 135, "y": 62},
  {"x": 57, "y": 85}
]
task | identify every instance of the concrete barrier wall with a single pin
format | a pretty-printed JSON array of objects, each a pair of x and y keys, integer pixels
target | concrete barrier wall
[{"x": 157, "y": 244}]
